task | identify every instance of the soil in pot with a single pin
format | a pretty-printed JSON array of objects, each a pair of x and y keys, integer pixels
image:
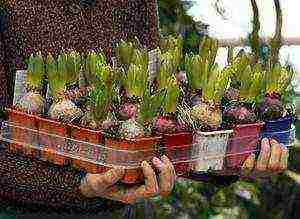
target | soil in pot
[
  {"x": 242, "y": 143},
  {"x": 131, "y": 152}
]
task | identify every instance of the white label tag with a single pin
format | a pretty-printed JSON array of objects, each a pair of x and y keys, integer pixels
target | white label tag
[
  {"x": 209, "y": 152},
  {"x": 20, "y": 85},
  {"x": 153, "y": 63}
]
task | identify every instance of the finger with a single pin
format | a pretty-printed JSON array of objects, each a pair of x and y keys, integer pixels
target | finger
[
  {"x": 248, "y": 165},
  {"x": 171, "y": 168},
  {"x": 131, "y": 195},
  {"x": 168, "y": 161},
  {"x": 151, "y": 185},
  {"x": 275, "y": 156},
  {"x": 123, "y": 194},
  {"x": 100, "y": 182},
  {"x": 264, "y": 155},
  {"x": 150, "y": 188},
  {"x": 86, "y": 188},
  {"x": 166, "y": 175},
  {"x": 284, "y": 159}
]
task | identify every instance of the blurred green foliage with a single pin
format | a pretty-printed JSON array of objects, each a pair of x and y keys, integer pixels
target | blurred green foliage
[{"x": 175, "y": 20}]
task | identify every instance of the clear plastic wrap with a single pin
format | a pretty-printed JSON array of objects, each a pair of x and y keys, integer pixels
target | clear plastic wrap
[
  {"x": 207, "y": 151},
  {"x": 220, "y": 151}
]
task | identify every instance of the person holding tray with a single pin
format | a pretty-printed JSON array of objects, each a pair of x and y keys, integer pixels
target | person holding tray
[{"x": 31, "y": 186}]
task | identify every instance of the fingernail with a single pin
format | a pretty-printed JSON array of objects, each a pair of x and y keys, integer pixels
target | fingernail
[
  {"x": 274, "y": 142},
  {"x": 145, "y": 164},
  {"x": 265, "y": 141},
  {"x": 265, "y": 145},
  {"x": 164, "y": 157}
]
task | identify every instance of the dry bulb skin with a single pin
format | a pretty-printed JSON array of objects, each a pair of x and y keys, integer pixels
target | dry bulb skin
[
  {"x": 273, "y": 158},
  {"x": 105, "y": 185}
]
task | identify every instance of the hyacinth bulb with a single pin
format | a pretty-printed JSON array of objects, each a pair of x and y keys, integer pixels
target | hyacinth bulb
[
  {"x": 181, "y": 77},
  {"x": 65, "y": 111},
  {"x": 181, "y": 126},
  {"x": 88, "y": 121},
  {"x": 232, "y": 94},
  {"x": 271, "y": 107},
  {"x": 164, "y": 125},
  {"x": 128, "y": 111},
  {"x": 215, "y": 119},
  {"x": 239, "y": 115},
  {"x": 33, "y": 103},
  {"x": 201, "y": 112},
  {"x": 131, "y": 129},
  {"x": 110, "y": 124},
  {"x": 208, "y": 116}
]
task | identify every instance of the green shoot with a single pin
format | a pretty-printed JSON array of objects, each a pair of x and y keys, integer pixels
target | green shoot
[
  {"x": 73, "y": 63},
  {"x": 56, "y": 84},
  {"x": 35, "y": 73},
  {"x": 125, "y": 53},
  {"x": 151, "y": 104},
  {"x": 278, "y": 78},
  {"x": 98, "y": 102},
  {"x": 136, "y": 80},
  {"x": 172, "y": 94}
]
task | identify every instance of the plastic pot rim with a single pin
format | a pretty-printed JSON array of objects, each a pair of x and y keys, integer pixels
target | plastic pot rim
[
  {"x": 260, "y": 123},
  {"x": 83, "y": 128},
  {"x": 293, "y": 128},
  {"x": 177, "y": 133},
  {"x": 157, "y": 138},
  {"x": 279, "y": 120},
  {"x": 214, "y": 132},
  {"x": 11, "y": 111}
]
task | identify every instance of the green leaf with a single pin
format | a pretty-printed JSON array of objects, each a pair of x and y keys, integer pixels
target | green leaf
[
  {"x": 172, "y": 94},
  {"x": 35, "y": 71}
]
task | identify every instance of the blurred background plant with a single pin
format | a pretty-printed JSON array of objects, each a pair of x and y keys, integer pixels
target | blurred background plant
[{"x": 175, "y": 20}]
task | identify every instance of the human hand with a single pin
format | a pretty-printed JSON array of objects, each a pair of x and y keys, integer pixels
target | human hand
[
  {"x": 106, "y": 185},
  {"x": 273, "y": 158}
]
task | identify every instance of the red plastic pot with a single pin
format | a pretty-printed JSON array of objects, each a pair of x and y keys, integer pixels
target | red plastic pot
[
  {"x": 22, "y": 133},
  {"x": 86, "y": 150},
  {"x": 52, "y": 136},
  {"x": 177, "y": 148},
  {"x": 138, "y": 151},
  {"x": 242, "y": 143},
  {"x": 89, "y": 166}
]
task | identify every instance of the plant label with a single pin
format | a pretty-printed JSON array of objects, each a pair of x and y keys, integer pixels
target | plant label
[
  {"x": 20, "y": 85},
  {"x": 208, "y": 151}
]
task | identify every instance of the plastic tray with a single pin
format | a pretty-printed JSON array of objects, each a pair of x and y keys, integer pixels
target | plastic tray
[{"x": 208, "y": 151}]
